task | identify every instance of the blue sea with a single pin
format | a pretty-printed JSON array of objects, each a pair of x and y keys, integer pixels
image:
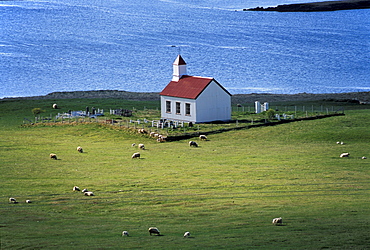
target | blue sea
[{"x": 69, "y": 45}]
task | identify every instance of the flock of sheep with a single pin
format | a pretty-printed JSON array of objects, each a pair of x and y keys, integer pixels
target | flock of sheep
[
  {"x": 151, "y": 230},
  {"x": 154, "y": 230},
  {"x": 14, "y": 201},
  {"x": 342, "y": 155}
]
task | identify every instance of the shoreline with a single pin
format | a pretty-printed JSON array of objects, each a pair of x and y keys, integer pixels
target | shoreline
[
  {"x": 317, "y": 6},
  {"x": 361, "y": 97}
]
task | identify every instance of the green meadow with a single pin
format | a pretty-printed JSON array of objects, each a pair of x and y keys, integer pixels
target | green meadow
[{"x": 224, "y": 192}]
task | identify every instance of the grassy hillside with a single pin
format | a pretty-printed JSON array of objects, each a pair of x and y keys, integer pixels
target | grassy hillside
[{"x": 225, "y": 192}]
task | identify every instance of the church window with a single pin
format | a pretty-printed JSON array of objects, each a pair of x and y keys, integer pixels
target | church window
[
  {"x": 187, "y": 108},
  {"x": 168, "y": 106}
]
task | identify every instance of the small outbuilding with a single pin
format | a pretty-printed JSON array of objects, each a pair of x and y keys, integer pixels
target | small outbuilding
[{"x": 193, "y": 98}]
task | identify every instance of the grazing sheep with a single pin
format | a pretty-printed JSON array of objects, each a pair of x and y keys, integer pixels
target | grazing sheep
[
  {"x": 344, "y": 155},
  {"x": 277, "y": 221},
  {"x": 53, "y": 156},
  {"x": 89, "y": 193},
  {"x": 135, "y": 155},
  {"x": 75, "y": 188},
  {"x": 28, "y": 201},
  {"x": 152, "y": 134},
  {"x": 79, "y": 149},
  {"x": 186, "y": 234},
  {"x": 142, "y": 131},
  {"x": 154, "y": 230},
  {"x": 193, "y": 143},
  {"x": 133, "y": 144},
  {"x": 338, "y": 142},
  {"x": 363, "y": 157},
  {"x": 85, "y": 190},
  {"x": 141, "y": 146},
  {"x": 203, "y": 137},
  {"x": 55, "y": 106},
  {"x": 125, "y": 233},
  {"x": 12, "y": 200}
]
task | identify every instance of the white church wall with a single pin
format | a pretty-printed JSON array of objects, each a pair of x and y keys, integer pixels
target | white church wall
[{"x": 213, "y": 104}]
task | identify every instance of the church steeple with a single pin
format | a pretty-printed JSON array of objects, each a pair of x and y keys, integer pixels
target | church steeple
[{"x": 179, "y": 68}]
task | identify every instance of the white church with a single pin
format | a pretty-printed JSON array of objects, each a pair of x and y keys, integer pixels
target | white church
[{"x": 193, "y": 98}]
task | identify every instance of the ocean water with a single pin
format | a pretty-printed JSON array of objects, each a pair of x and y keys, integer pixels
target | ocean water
[{"x": 53, "y": 45}]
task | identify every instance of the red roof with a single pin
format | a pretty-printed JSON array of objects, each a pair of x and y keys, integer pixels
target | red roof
[{"x": 189, "y": 87}]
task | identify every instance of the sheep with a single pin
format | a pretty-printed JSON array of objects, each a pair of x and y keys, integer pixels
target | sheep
[
  {"x": 55, "y": 106},
  {"x": 84, "y": 190},
  {"x": 133, "y": 144},
  {"x": 193, "y": 143},
  {"x": 135, "y": 155},
  {"x": 28, "y": 201},
  {"x": 89, "y": 193},
  {"x": 160, "y": 139},
  {"x": 79, "y": 149},
  {"x": 344, "y": 155},
  {"x": 186, "y": 234},
  {"x": 12, "y": 200},
  {"x": 141, "y": 146},
  {"x": 154, "y": 230},
  {"x": 277, "y": 221},
  {"x": 142, "y": 131},
  {"x": 125, "y": 233},
  {"x": 152, "y": 134},
  {"x": 203, "y": 137},
  {"x": 363, "y": 157},
  {"x": 53, "y": 156},
  {"x": 75, "y": 188}
]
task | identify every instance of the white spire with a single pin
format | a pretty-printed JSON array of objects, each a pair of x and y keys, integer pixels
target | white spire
[{"x": 179, "y": 68}]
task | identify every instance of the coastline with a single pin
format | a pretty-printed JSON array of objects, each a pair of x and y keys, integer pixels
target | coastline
[
  {"x": 361, "y": 97},
  {"x": 317, "y": 6}
]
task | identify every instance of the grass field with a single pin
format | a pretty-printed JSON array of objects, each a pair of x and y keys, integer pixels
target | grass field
[{"x": 225, "y": 192}]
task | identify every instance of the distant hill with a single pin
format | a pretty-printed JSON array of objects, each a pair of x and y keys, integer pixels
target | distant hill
[
  {"x": 363, "y": 97},
  {"x": 317, "y": 6}
]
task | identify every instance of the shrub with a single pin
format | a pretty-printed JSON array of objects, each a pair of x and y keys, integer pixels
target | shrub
[
  {"x": 37, "y": 111},
  {"x": 270, "y": 114}
]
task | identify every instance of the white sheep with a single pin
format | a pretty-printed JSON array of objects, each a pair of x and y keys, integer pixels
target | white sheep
[
  {"x": 363, "y": 157},
  {"x": 125, "y": 233},
  {"x": 55, "y": 106},
  {"x": 28, "y": 201},
  {"x": 141, "y": 146},
  {"x": 277, "y": 221},
  {"x": 84, "y": 190},
  {"x": 135, "y": 155},
  {"x": 142, "y": 131},
  {"x": 154, "y": 230},
  {"x": 89, "y": 193},
  {"x": 12, "y": 200},
  {"x": 75, "y": 188},
  {"x": 53, "y": 156},
  {"x": 79, "y": 149},
  {"x": 203, "y": 137},
  {"x": 133, "y": 144},
  {"x": 152, "y": 134},
  {"x": 344, "y": 155},
  {"x": 193, "y": 143},
  {"x": 186, "y": 234}
]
